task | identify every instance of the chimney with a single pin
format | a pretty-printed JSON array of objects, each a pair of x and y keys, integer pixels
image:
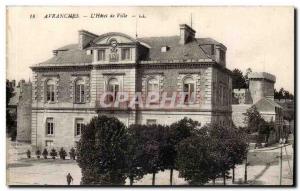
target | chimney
[
  {"x": 85, "y": 37},
  {"x": 186, "y": 34}
]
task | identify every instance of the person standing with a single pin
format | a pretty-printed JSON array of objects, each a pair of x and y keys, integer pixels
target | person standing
[{"x": 69, "y": 179}]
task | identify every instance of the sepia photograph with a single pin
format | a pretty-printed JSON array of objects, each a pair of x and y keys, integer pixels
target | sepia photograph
[{"x": 150, "y": 96}]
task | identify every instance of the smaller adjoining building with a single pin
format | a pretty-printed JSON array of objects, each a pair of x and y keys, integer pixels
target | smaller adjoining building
[
  {"x": 20, "y": 105},
  {"x": 261, "y": 95}
]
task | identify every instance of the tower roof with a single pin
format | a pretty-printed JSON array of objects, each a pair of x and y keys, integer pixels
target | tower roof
[{"x": 262, "y": 75}]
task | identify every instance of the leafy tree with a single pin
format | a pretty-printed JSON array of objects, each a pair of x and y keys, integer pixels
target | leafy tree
[
  {"x": 253, "y": 120},
  {"x": 211, "y": 152},
  {"x": 134, "y": 154},
  {"x": 151, "y": 140},
  {"x": 102, "y": 151},
  {"x": 256, "y": 123},
  {"x": 238, "y": 80},
  {"x": 283, "y": 94},
  {"x": 53, "y": 153},
  {"x": 178, "y": 131}
]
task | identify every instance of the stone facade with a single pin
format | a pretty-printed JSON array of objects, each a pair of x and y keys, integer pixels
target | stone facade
[{"x": 116, "y": 62}]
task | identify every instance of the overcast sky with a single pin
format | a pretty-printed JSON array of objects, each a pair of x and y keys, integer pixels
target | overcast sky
[{"x": 261, "y": 38}]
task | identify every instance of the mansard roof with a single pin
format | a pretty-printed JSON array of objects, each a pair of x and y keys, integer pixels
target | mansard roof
[
  {"x": 176, "y": 51},
  {"x": 196, "y": 49},
  {"x": 70, "y": 54}
]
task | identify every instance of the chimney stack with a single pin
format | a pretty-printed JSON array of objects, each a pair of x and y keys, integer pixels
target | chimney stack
[
  {"x": 85, "y": 37},
  {"x": 186, "y": 34}
]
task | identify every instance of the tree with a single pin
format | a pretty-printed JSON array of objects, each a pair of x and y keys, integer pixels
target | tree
[
  {"x": 102, "y": 152},
  {"x": 178, "y": 131},
  {"x": 196, "y": 160},
  {"x": 238, "y": 80},
  {"x": 151, "y": 140},
  {"x": 283, "y": 94},
  {"x": 256, "y": 124},
  {"x": 253, "y": 120},
  {"x": 212, "y": 152},
  {"x": 134, "y": 153}
]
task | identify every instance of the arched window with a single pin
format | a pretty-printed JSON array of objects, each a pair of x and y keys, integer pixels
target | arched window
[
  {"x": 50, "y": 90},
  {"x": 152, "y": 85},
  {"x": 79, "y": 91},
  {"x": 113, "y": 87},
  {"x": 189, "y": 89}
]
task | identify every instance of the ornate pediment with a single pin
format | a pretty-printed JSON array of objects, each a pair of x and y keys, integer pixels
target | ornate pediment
[{"x": 113, "y": 38}]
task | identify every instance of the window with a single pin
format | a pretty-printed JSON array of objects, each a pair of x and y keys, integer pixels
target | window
[
  {"x": 50, "y": 91},
  {"x": 212, "y": 49},
  {"x": 113, "y": 87},
  {"x": 49, "y": 143},
  {"x": 79, "y": 91},
  {"x": 49, "y": 126},
  {"x": 222, "y": 55},
  {"x": 151, "y": 121},
  {"x": 189, "y": 89},
  {"x": 101, "y": 55},
  {"x": 78, "y": 126},
  {"x": 152, "y": 85},
  {"x": 125, "y": 54}
]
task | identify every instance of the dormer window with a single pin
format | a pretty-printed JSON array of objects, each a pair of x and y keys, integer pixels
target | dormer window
[
  {"x": 222, "y": 56},
  {"x": 125, "y": 54},
  {"x": 101, "y": 55},
  {"x": 165, "y": 48}
]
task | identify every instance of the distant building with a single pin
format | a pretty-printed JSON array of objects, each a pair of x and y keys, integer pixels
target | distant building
[
  {"x": 261, "y": 95},
  {"x": 20, "y": 106}
]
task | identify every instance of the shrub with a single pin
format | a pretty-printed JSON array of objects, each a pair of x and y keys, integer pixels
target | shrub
[
  {"x": 38, "y": 153},
  {"x": 53, "y": 153},
  {"x": 45, "y": 153},
  {"x": 62, "y": 154},
  {"x": 72, "y": 153},
  {"x": 28, "y": 153}
]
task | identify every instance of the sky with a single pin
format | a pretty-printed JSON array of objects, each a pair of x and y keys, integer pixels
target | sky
[{"x": 260, "y": 38}]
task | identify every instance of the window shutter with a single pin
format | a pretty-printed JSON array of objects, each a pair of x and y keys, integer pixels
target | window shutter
[
  {"x": 77, "y": 93},
  {"x": 82, "y": 93}
]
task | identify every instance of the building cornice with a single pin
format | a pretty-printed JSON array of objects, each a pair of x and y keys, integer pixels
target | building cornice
[{"x": 141, "y": 64}]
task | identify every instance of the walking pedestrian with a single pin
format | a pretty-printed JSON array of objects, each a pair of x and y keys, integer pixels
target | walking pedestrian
[{"x": 69, "y": 179}]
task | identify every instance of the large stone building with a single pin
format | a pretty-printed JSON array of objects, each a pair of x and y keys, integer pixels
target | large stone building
[{"x": 68, "y": 88}]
